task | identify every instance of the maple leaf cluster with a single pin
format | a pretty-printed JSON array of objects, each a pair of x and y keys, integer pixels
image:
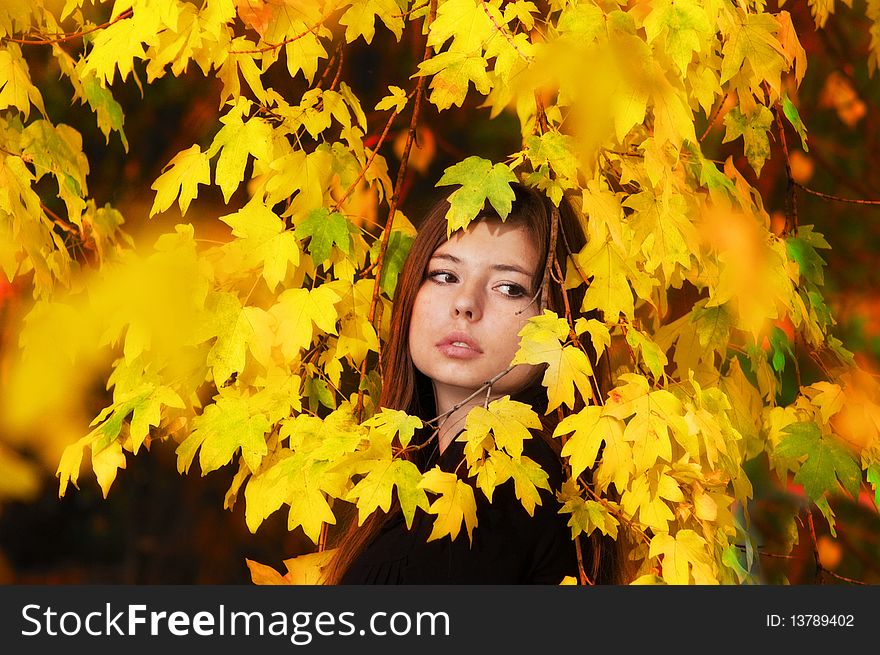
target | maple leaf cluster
[{"x": 269, "y": 365}]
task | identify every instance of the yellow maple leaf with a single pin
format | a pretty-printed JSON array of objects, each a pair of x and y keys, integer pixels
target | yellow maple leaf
[
  {"x": 374, "y": 490},
  {"x": 567, "y": 366},
  {"x": 263, "y": 241},
  {"x": 455, "y": 505},
  {"x": 297, "y": 310},
  {"x": 590, "y": 430},
  {"x": 182, "y": 175},
  {"x": 686, "y": 558},
  {"x": 508, "y": 420}
]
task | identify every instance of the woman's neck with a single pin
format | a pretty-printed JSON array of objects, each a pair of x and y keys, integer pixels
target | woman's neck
[{"x": 457, "y": 405}]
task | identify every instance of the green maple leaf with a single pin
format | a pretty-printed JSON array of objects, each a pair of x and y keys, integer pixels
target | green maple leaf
[
  {"x": 318, "y": 393},
  {"x": 586, "y": 515},
  {"x": 57, "y": 149},
  {"x": 827, "y": 466},
  {"x": 555, "y": 150},
  {"x": 398, "y": 247},
  {"x": 652, "y": 354},
  {"x": 713, "y": 327},
  {"x": 108, "y": 111},
  {"x": 794, "y": 117},
  {"x": 874, "y": 480},
  {"x": 224, "y": 428},
  {"x": 325, "y": 230},
  {"x": 182, "y": 175},
  {"x": 753, "y": 129},
  {"x": 480, "y": 181},
  {"x": 802, "y": 249}
]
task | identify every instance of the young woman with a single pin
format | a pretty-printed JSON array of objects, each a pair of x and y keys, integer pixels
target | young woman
[{"x": 459, "y": 306}]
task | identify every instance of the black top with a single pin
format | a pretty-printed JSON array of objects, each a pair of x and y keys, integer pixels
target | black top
[{"x": 509, "y": 546}]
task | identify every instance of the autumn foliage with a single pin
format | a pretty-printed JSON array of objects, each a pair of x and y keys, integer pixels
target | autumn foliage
[{"x": 258, "y": 352}]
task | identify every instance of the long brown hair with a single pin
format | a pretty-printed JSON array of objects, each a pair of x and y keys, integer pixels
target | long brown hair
[{"x": 405, "y": 388}]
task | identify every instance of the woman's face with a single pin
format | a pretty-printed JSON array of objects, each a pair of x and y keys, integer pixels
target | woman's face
[{"x": 474, "y": 300}]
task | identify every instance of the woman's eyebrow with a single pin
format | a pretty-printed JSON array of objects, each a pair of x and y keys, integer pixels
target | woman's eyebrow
[
  {"x": 512, "y": 268},
  {"x": 509, "y": 268}
]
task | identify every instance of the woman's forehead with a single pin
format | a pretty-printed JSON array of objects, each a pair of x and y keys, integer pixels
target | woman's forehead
[{"x": 491, "y": 239}]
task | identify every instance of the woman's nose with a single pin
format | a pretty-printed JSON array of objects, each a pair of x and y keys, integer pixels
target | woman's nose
[{"x": 467, "y": 304}]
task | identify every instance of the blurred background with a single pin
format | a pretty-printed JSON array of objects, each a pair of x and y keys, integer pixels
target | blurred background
[{"x": 159, "y": 527}]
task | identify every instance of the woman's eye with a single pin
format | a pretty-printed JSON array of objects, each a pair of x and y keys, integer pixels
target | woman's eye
[
  {"x": 512, "y": 290},
  {"x": 442, "y": 277}
]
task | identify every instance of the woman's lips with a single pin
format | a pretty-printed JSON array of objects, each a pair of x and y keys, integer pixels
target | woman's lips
[{"x": 458, "y": 345}]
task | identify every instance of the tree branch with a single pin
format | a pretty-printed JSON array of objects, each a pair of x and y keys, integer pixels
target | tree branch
[
  {"x": 828, "y": 196},
  {"x": 369, "y": 163},
  {"x": 275, "y": 46},
  {"x": 791, "y": 213},
  {"x": 395, "y": 198},
  {"x": 72, "y": 36}
]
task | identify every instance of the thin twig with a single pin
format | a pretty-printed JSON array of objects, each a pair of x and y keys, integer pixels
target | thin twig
[
  {"x": 382, "y": 137},
  {"x": 507, "y": 36},
  {"x": 815, "y": 543},
  {"x": 477, "y": 392},
  {"x": 714, "y": 118},
  {"x": 275, "y": 46},
  {"x": 60, "y": 222},
  {"x": 828, "y": 196},
  {"x": 73, "y": 35}
]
